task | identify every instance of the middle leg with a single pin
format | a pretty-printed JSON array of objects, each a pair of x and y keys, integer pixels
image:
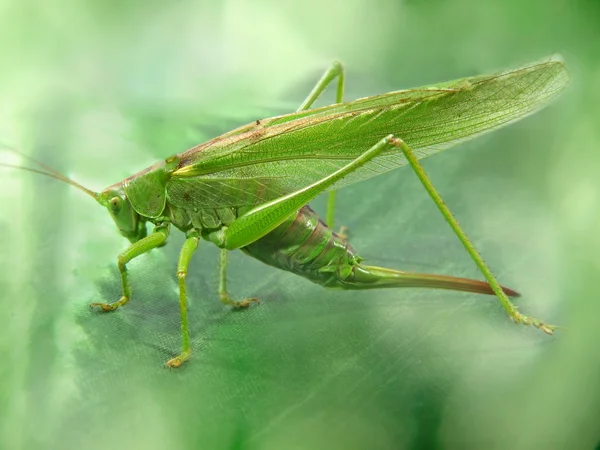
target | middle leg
[
  {"x": 223, "y": 294},
  {"x": 189, "y": 248}
]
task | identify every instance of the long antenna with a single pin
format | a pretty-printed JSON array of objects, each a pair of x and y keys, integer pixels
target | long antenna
[{"x": 47, "y": 171}]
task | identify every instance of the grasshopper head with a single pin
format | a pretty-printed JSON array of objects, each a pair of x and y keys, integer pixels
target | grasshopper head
[{"x": 128, "y": 221}]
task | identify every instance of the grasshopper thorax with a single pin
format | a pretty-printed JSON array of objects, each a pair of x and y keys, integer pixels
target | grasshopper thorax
[{"x": 129, "y": 222}]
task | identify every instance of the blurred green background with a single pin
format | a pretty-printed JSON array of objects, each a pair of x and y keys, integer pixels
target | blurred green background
[{"x": 102, "y": 89}]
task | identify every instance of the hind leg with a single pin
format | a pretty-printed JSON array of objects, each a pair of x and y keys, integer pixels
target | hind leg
[
  {"x": 335, "y": 71},
  {"x": 510, "y": 308},
  {"x": 264, "y": 218}
]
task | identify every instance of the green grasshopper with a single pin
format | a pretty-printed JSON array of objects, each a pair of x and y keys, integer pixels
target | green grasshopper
[{"x": 249, "y": 189}]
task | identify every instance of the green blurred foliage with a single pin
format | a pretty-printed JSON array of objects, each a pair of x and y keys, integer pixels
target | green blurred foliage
[{"x": 102, "y": 89}]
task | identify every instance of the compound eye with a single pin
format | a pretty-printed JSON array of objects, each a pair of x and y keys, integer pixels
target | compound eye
[{"x": 115, "y": 204}]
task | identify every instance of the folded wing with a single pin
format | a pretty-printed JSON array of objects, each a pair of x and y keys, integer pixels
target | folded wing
[{"x": 273, "y": 157}]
